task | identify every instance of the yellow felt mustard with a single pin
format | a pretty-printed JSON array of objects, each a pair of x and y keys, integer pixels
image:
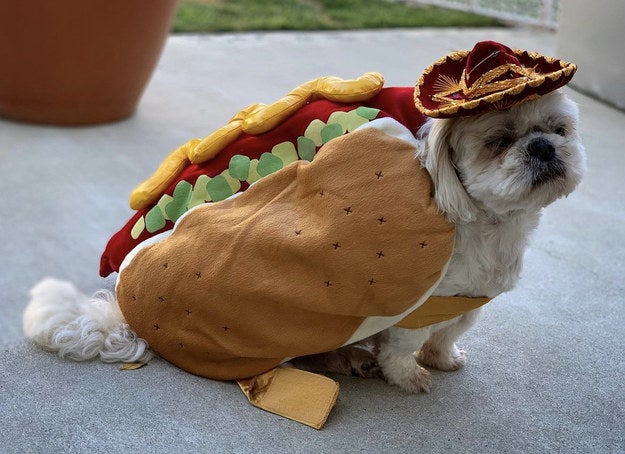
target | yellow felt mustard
[{"x": 254, "y": 119}]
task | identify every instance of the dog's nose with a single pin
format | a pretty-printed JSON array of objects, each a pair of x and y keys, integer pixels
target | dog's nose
[{"x": 542, "y": 149}]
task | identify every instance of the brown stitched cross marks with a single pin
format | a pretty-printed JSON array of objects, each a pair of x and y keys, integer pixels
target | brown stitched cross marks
[
  {"x": 379, "y": 174},
  {"x": 380, "y": 254},
  {"x": 336, "y": 245},
  {"x": 348, "y": 211},
  {"x": 381, "y": 220}
]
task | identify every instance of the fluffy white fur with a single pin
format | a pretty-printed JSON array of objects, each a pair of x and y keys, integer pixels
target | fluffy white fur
[
  {"x": 60, "y": 318},
  {"x": 492, "y": 176}
]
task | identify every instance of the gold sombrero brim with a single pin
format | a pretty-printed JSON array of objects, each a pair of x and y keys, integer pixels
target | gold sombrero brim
[{"x": 547, "y": 74}]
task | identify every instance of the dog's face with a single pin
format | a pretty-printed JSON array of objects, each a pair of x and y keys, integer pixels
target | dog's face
[{"x": 522, "y": 158}]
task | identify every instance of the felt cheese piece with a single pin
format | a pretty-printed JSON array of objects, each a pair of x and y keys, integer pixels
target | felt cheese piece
[{"x": 295, "y": 265}]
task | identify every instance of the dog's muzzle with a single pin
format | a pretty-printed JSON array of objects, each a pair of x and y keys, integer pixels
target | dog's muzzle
[
  {"x": 544, "y": 162},
  {"x": 541, "y": 149}
]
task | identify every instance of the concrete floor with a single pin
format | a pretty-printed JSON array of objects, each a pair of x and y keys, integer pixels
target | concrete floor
[{"x": 546, "y": 367}]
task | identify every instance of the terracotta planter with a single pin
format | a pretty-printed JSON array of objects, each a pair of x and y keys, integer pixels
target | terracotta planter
[{"x": 78, "y": 61}]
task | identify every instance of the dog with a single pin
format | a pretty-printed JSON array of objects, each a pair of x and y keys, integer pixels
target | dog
[{"x": 492, "y": 175}]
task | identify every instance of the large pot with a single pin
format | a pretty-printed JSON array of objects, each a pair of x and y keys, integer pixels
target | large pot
[{"x": 78, "y": 61}]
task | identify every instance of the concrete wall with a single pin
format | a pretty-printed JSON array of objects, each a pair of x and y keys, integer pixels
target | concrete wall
[{"x": 592, "y": 34}]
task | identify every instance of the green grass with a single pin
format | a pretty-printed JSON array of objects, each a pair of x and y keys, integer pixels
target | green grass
[{"x": 197, "y": 16}]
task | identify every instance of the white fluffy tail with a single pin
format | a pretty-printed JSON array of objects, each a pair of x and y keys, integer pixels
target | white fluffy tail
[{"x": 60, "y": 318}]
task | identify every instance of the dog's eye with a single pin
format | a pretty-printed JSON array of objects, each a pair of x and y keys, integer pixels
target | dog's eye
[
  {"x": 561, "y": 131},
  {"x": 501, "y": 143}
]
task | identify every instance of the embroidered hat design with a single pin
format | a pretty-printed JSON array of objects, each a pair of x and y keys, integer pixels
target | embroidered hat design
[{"x": 489, "y": 77}]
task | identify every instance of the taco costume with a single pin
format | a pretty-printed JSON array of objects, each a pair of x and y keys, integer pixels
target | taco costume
[{"x": 322, "y": 228}]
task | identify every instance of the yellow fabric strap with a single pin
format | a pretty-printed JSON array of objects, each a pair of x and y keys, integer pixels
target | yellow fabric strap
[
  {"x": 295, "y": 394},
  {"x": 437, "y": 309}
]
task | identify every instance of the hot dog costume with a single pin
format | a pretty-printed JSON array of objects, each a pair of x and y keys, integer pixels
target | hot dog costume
[{"x": 321, "y": 230}]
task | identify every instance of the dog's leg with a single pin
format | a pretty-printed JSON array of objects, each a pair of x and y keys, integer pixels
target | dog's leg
[
  {"x": 440, "y": 351},
  {"x": 358, "y": 360},
  {"x": 398, "y": 359}
]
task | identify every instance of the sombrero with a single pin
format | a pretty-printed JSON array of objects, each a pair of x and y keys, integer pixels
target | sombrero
[{"x": 489, "y": 77}]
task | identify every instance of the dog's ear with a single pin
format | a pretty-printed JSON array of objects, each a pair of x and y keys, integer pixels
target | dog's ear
[{"x": 436, "y": 155}]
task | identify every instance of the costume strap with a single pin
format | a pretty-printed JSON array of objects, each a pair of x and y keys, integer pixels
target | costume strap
[
  {"x": 293, "y": 393},
  {"x": 437, "y": 309}
]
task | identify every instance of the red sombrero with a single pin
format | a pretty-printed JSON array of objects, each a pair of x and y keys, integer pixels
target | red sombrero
[{"x": 489, "y": 77}]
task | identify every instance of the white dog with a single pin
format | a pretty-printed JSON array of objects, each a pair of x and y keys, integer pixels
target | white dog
[{"x": 492, "y": 174}]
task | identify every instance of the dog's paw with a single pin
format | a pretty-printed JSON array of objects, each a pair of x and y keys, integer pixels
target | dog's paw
[
  {"x": 350, "y": 360},
  {"x": 405, "y": 372},
  {"x": 445, "y": 361},
  {"x": 362, "y": 363},
  {"x": 368, "y": 368}
]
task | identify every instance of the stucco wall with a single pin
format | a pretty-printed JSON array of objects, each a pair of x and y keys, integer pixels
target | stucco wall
[{"x": 592, "y": 34}]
